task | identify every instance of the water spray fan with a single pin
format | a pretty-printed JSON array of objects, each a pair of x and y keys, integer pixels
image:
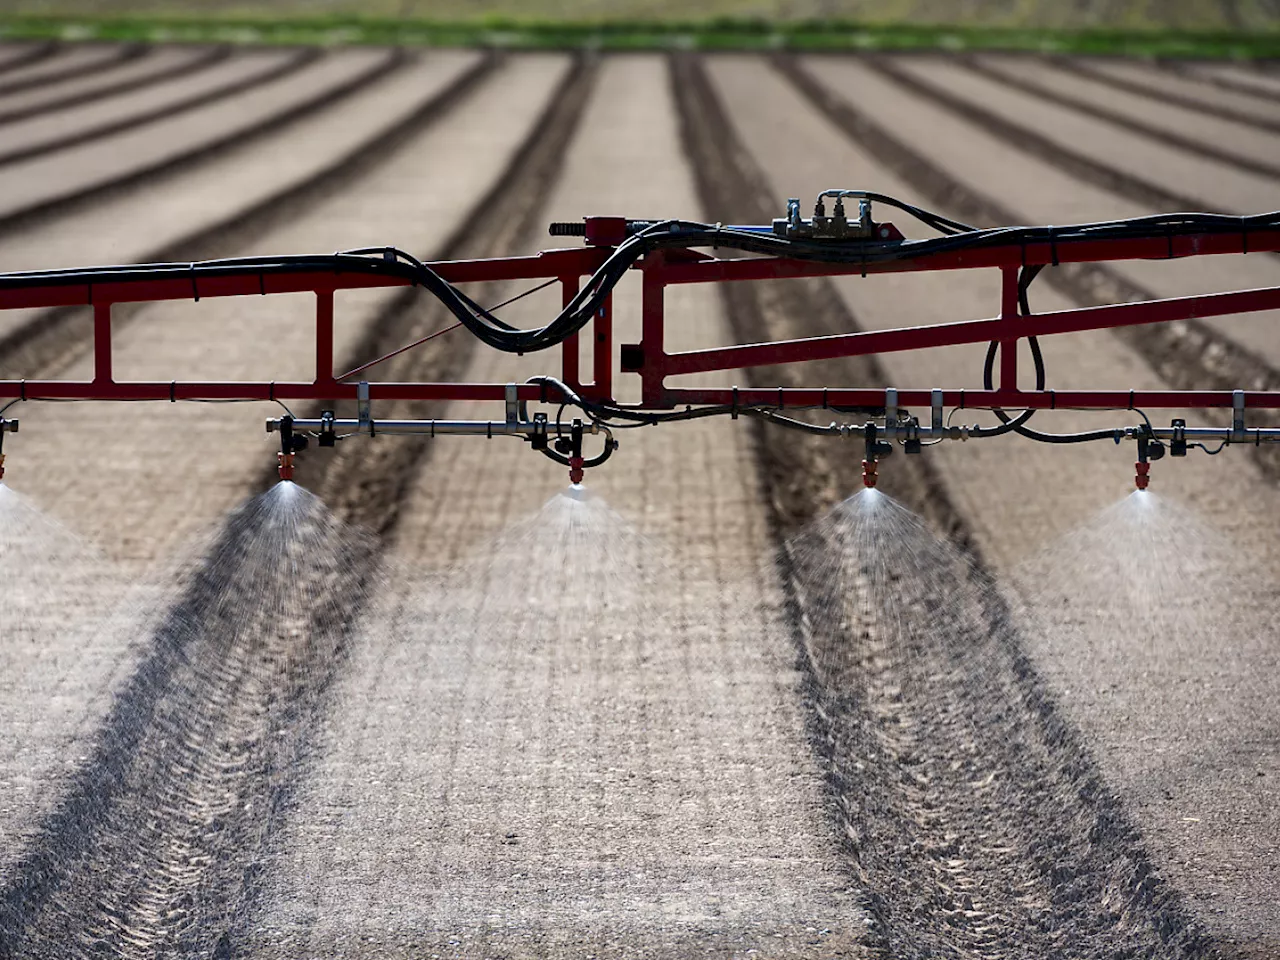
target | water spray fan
[{"x": 578, "y": 414}]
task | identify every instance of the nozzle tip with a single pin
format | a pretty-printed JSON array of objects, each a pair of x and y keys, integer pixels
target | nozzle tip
[{"x": 869, "y": 474}]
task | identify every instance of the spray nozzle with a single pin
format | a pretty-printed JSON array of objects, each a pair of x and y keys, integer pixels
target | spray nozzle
[
  {"x": 575, "y": 452},
  {"x": 1149, "y": 448},
  {"x": 876, "y": 450},
  {"x": 290, "y": 444}
]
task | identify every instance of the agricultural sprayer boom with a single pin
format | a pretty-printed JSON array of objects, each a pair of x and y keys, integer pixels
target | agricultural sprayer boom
[{"x": 672, "y": 252}]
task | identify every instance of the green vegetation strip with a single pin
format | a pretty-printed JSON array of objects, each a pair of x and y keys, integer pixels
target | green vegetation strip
[{"x": 723, "y": 34}]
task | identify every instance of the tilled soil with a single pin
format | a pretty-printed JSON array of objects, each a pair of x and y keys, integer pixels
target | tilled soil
[
  {"x": 580, "y": 783},
  {"x": 157, "y": 68},
  {"x": 827, "y": 756},
  {"x": 64, "y": 68},
  {"x": 42, "y": 183},
  {"x": 1119, "y": 673},
  {"x": 919, "y": 726},
  {"x": 29, "y": 134},
  {"x": 900, "y": 121},
  {"x": 187, "y": 667}
]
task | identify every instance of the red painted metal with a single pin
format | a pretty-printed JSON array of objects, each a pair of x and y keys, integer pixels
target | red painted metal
[{"x": 650, "y": 358}]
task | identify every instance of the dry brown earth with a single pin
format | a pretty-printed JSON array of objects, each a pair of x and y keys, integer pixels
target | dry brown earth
[
  {"x": 65, "y": 67},
  {"x": 14, "y": 55},
  {"x": 391, "y": 198},
  {"x": 1039, "y": 192},
  {"x": 157, "y": 62},
  {"x": 548, "y": 784},
  {"x": 510, "y": 766},
  {"x": 45, "y": 179},
  {"x": 1214, "y": 186},
  {"x": 1227, "y": 135},
  {"x": 1157, "y": 709},
  {"x": 1264, "y": 85},
  {"x": 44, "y": 130},
  {"x": 1163, "y": 84},
  {"x": 189, "y": 205}
]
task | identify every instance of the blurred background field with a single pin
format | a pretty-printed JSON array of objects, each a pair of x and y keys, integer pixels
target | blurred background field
[
  {"x": 1234, "y": 29},
  {"x": 1069, "y": 14}
]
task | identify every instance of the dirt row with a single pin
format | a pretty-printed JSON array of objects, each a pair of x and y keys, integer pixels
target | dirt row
[
  {"x": 617, "y": 770},
  {"x": 158, "y": 66},
  {"x": 483, "y": 776},
  {"x": 1107, "y": 678},
  {"x": 206, "y": 203},
  {"x": 389, "y": 198},
  {"x": 1255, "y": 82},
  {"x": 66, "y": 66},
  {"x": 44, "y": 131},
  {"x": 14, "y": 56},
  {"x": 41, "y": 185},
  {"x": 1034, "y": 186},
  {"x": 1186, "y": 91},
  {"x": 1189, "y": 131}
]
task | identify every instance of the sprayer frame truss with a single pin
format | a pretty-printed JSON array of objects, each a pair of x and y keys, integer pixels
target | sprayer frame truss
[{"x": 649, "y": 358}]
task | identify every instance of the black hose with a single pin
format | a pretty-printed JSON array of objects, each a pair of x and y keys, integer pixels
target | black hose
[
  {"x": 667, "y": 234},
  {"x": 1018, "y": 424}
]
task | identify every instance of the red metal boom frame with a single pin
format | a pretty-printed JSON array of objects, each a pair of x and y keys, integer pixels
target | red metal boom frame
[{"x": 651, "y": 360}]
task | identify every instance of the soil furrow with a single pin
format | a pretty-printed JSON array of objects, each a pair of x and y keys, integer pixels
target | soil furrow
[
  {"x": 33, "y": 54},
  {"x": 208, "y": 58},
  {"x": 1167, "y": 96},
  {"x": 301, "y": 59},
  {"x": 78, "y": 198},
  {"x": 910, "y": 727},
  {"x": 120, "y": 55},
  {"x": 1077, "y": 164},
  {"x": 1188, "y": 356},
  {"x": 1170, "y": 138},
  {"x": 229, "y": 699},
  {"x": 53, "y": 339},
  {"x": 1216, "y": 79}
]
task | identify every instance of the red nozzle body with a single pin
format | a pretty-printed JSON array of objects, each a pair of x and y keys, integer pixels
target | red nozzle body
[
  {"x": 285, "y": 461},
  {"x": 575, "y": 470},
  {"x": 1143, "y": 475},
  {"x": 869, "y": 475}
]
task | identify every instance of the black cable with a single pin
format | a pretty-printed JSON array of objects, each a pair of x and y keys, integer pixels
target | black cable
[
  {"x": 1018, "y": 424},
  {"x": 667, "y": 234}
]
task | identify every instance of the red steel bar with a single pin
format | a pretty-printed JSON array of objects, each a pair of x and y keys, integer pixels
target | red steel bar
[
  {"x": 649, "y": 358},
  {"x": 970, "y": 331},
  {"x": 102, "y": 343},
  {"x": 324, "y": 337},
  {"x": 602, "y": 327},
  {"x": 569, "y": 349},
  {"x": 1009, "y": 313},
  {"x": 652, "y": 329}
]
